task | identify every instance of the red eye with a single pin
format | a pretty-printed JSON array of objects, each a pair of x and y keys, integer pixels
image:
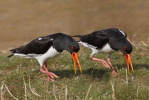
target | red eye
[
  {"x": 72, "y": 47},
  {"x": 124, "y": 48}
]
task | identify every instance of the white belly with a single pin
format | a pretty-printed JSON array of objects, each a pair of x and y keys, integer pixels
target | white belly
[
  {"x": 51, "y": 53},
  {"x": 93, "y": 48},
  {"x": 105, "y": 49}
]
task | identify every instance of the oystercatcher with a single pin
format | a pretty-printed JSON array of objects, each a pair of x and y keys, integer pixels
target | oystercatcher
[
  {"x": 108, "y": 41},
  {"x": 46, "y": 47}
]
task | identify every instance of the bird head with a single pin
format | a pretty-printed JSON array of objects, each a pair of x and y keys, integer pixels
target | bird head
[
  {"x": 72, "y": 46},
  {"x": 65, "y": 42},
  {"x": 127, "y": 49},
  {"x": 73, "y": 50}
]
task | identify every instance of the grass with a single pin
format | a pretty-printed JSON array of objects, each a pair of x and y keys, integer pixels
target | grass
[
  {"x": 25, "y": 82},
  {"x": 21, "y": 78}
]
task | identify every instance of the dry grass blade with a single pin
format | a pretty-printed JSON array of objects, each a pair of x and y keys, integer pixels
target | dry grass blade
[
  {"x": 25, "y": 89},
  {"x": 2, "y": 93},
  {"x": 88, "y": 91},
  {"x": 90, "y": 98},
  {"x": 33, "y": 90},
  {"x": 66, "y": 92},
  {"x": 9, "y": 91},
  {"x": 138, "y": 90},
  {"x": 130, "y": 41},
  {"x": 144, "y": 43},
  {"x": 126, "y": 76},
  {"x": 54, "y": 92},
  {"x": 113, "y": 90}
]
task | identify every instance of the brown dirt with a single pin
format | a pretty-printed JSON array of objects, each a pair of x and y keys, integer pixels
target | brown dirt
[{"x": 23, "y": 20}]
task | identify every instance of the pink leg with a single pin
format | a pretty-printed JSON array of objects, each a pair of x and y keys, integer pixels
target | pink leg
[
  {"x": 49, "y": 74},
  {"x": 100, "y": 60},
  {"x": 112, "y": 68}
]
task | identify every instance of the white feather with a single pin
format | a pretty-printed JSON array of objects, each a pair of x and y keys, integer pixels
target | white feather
[
  {"x": 93, "y": 48},
  {"x": 122, "y": 32},
  {"x": 51, "y": 53},
  {"x": 39, "y": 39},
  {"x": 105, "y": 49}
]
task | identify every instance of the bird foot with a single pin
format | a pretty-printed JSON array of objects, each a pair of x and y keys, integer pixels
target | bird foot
[
  {"x": 51, "y": 76},
  {"x": 114, "y": 73}
]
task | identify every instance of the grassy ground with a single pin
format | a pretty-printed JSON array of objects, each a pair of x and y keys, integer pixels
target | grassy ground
[{"x": 24, "y": 81}]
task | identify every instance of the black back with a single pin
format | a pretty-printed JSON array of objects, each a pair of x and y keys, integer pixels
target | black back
[
  {"x": 113, "y": 36},
  {"x": 36, "y": 46},
  {"x": 59, "y": 41},
  {"x": 95, "y": 39}
]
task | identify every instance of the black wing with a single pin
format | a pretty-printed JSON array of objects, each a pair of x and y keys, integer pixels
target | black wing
[
  {"x": 116, "y": 37},
  {"x": 37, "y": 46},
  {"x": 96, "y": 38}
]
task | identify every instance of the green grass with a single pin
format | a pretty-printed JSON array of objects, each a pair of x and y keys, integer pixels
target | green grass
[
  {"x": 38, "y": 18},
  {"x": 22, "y": 75}
]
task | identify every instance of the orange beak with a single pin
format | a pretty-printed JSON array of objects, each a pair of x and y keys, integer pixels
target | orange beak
[
  {"x": 129, "y": 62},
  {"x": 76, "y": 59}
]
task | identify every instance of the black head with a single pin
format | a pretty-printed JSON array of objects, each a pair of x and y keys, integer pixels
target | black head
[
  {"x": 71, "y": 45},
  {"x": 126, "y": 47},
  {"x": 65, "y": 42}
]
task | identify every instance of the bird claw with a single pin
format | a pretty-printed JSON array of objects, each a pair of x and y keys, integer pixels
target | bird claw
[
  {"x": 51, "y": 76},
  {"x": 114, "y": 73}
]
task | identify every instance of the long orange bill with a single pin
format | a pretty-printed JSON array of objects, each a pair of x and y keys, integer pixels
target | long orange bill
[
  {"x": 76, "y": 59},
  {"x": 129, "y": 62}
]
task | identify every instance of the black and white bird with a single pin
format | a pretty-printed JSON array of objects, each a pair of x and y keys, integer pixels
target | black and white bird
[
  {"x": 108, "y": 41},
  {"x": 47, "y": 47}
]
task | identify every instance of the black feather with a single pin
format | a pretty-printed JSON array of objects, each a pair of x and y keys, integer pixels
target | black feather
[
  {"x": 40, "y": 45},
  {"x": 10, "y": 56}
]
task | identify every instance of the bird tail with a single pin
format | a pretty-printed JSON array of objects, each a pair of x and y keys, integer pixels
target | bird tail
[
  {"x": 12, "y": 51},
  {"x": 10, "y": 56},
  {"x": 16, "y": 50}
]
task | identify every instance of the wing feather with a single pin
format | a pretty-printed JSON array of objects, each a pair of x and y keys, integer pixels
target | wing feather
[
  {"x": 37, "y": 46},
  {"x": 96, "y": 39}
]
